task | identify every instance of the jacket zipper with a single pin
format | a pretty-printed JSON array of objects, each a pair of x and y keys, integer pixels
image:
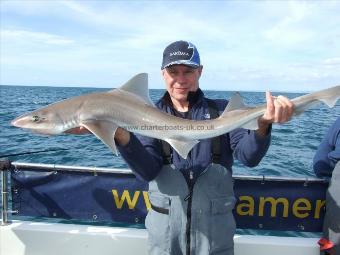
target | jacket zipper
[{"x": 189, "y": 199}]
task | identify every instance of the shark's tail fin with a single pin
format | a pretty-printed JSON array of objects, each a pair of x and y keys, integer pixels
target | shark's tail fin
[
  {"x": 330, "y": 102},
  {"x": 328, "y": 96}
]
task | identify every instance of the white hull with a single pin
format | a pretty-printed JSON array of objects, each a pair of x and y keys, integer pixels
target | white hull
[{"x": 40, "y": 238}]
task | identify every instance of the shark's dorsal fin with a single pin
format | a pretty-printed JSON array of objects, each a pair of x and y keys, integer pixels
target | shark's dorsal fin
[
  {"x": 138, "y": 85},
  {"x": 235, "y": 107},
  {"x": 235, "y": 103}
]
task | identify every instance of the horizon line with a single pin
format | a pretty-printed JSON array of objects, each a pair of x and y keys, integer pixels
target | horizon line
[{"x": 87, "y": 87}]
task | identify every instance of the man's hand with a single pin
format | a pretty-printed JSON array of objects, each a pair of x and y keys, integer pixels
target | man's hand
[
  {"x": 78, "y": 131},
  {"x": 122, "y": 137},
  {"x": 279, "y": 110}
]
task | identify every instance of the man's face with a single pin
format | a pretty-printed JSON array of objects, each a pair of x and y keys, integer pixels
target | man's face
[{"x": 180, "y": 80}]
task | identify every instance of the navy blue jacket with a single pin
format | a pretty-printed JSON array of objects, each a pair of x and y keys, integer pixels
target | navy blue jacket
[
  {"x": 328, "y": 153},
  {"x": 144, "y": 154}
]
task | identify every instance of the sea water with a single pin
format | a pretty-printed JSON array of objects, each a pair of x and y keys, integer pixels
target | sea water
[{"x": 290, "y": 154}]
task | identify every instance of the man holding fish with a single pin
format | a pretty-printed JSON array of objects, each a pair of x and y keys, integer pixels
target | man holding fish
[
  {"x": 189, "y": 170},
  {"x": 192, "y": 199}
]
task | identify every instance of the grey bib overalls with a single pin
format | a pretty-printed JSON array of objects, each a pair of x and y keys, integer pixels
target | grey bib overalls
[
  {"x": 331, "y": 227},
  {"x": 192, "y": 219}
]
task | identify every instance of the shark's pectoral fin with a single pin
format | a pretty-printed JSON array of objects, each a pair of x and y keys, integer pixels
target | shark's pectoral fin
[
  {"x": 182, "y": 147},
  {"x": 105, "y": 131}
]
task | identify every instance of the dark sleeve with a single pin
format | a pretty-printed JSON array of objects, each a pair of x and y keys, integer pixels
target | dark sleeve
[
  {"x": 143, "y": 155},
  {"x": 328, "y": 152},
  {"x": 249, "y": 148}
]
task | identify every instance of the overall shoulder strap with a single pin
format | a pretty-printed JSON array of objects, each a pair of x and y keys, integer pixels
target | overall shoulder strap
[
  {"x": 166, "y": 153},
  {"x": 216, "y": 141}
]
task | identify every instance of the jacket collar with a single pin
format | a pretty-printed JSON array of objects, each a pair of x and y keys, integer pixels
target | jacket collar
[{"x": 194, "y": 97}]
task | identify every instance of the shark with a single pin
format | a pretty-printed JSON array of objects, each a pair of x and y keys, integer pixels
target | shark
[{"x": 131, "y": 108}]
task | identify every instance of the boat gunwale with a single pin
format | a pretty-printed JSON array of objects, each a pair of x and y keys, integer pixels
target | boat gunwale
[{"x": 103, "y": 170}]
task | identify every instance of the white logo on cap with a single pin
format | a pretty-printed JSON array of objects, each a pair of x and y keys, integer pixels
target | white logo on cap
[{"x": 179, "y": 53}]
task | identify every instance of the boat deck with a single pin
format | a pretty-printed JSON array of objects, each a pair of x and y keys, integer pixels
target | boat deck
[{"x": 35, "y": 238}]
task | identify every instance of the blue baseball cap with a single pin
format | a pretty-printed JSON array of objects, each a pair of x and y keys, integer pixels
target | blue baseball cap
[{"x": 181, "y": 53}]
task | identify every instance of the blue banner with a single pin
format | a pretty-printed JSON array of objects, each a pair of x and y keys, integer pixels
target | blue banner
[
  {"x": 122, "y": 198},
  {"x": 280, "y": 205}
]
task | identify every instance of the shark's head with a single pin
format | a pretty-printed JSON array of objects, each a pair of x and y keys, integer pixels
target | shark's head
[{"x": 40, "y": 121}]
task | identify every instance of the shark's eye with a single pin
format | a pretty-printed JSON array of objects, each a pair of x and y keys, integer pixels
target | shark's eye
[{"x": 35, "y": 118}]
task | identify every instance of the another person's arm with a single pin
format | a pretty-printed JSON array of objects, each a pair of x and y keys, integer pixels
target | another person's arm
[{"x": 328, "y": 152}]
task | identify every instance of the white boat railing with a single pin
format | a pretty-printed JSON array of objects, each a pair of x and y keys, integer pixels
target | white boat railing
[{"x": 89, "y": 169}]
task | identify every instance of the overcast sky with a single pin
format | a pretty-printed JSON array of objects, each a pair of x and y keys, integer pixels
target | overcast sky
[{"x": 244, "y": 45}]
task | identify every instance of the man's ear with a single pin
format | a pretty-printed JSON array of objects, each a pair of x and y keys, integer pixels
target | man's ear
[{"x": 200, "y": 70}]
